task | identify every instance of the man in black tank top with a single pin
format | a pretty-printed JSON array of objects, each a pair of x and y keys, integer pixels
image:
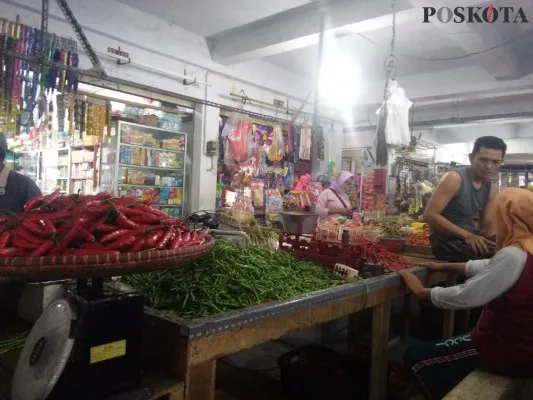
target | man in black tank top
[{"x": 457, "y": 208}]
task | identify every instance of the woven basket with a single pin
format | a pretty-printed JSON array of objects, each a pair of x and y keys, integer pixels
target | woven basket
[{"x": 37, "y": 269}]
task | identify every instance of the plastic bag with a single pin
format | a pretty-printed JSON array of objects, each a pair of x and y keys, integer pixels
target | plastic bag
[
  {"x": 273, "y": 201},
  {"x": 238, "y": 143},
  {"x": 276, "y": 152},
  {"x": 397, "y": 130},
  {"x": 257, "y": 193}
]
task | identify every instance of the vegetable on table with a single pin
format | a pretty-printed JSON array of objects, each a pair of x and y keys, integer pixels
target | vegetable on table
[
  {"x": 59, "y": 224},
  {"x": 229, "y": 278}
]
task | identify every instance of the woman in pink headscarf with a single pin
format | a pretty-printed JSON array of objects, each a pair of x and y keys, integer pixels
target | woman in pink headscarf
[{"x": 333, "y": 202}]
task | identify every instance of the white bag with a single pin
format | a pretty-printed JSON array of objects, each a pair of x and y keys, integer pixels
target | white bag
[{"x": 397, "y": 131}]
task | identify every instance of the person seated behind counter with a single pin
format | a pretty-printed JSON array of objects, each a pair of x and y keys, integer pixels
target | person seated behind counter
[
  {"x": 333, "y": 202},
  {"x": 456, "y": 210},
  {"x": 15, "y": 189},
  {"x": 502, "y": 341}
]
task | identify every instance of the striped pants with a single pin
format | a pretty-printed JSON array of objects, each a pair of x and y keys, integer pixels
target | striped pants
[{"x": 439, "y": 366}]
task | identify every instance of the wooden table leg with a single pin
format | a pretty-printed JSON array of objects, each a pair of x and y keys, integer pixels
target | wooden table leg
[
  {"x": 380, "y": 344},
  {"x": 200, "y": 381}
]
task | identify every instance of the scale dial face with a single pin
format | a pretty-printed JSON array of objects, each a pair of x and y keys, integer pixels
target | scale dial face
[{"x": 45, "y": 353}]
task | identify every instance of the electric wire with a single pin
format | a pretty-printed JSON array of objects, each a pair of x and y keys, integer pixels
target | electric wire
[{"x": 452, "y": 58}]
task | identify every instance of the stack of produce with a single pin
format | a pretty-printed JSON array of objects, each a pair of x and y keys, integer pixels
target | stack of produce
[
  {"x": 377, "y": 254},
  {"x": 230, "y": 278},
  {"x": 419, "y": 235},
  {"x": 95, "y": 224},
  {"x": 262, "y": 235},
  {"x": 393, "y": 225}
]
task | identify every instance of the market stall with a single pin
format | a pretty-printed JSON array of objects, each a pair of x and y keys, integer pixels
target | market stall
[{"x": 190, "y": 348}]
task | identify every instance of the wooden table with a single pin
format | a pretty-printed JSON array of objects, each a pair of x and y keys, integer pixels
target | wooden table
[{"x": 192, "y": 349}]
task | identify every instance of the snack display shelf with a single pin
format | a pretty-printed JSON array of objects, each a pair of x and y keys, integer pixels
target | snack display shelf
[
  {"x": 147, "y": 163},
  {"x": 152, "y": 148}
]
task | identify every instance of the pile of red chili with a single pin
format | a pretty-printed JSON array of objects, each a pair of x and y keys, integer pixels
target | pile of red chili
[
  {"x": 93, "y": 224},
  {"x": 419, "y": 239},
  {"x": 377, "y": 254}
]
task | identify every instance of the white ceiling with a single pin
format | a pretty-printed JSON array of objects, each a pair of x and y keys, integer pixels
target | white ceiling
[
  {"x": 208, "y": 17},
  {"x": 285, "y": 33}
]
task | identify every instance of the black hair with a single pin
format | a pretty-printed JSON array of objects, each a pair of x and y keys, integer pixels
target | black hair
[
  {"x": 3, "y": 154},
  {"x": 489, "y": 142}
]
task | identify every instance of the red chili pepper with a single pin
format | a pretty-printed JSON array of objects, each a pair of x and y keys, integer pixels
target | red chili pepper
[
  {"x": 53, "y": 216},
  {"x": 125, "y": 222},
  {"x": 22, "y": 243},
  {"x": 103, "y": 196},
  {"x": 130, "y": 212},
  {"x": 153, "y": 239},
  {"x": 92, "y": 246},
  {"x": 192, "y": 237},
  {"x": 148, "y": 219},
  {"x": 196, "y": 242},
  {"x": 97, "y": 209},
  {"x": 42, "y": 250},
  {"x": 176, "y": 243},
  {"x": 65, "y": 241},
  {"x": 138, "y": 246},
  {"x": 94, "y": 252},
  {"x": 49, "y": 199},
  {"x": 185, "y": 237},
  {"x": 87, "y": 236},
  {"x": 163, "y": 242},
  {"x": 121, "y": 243},
  {"x": 10, "y": 252},
  {"x": 4, "y": 239},
  {"x": 105, "y": 228},
  {"x": 113, "y": 235},
  {"x": 31, "y": 204},
  {"x": 151, "y": 210},
  {"x": 170, "y": 221}
]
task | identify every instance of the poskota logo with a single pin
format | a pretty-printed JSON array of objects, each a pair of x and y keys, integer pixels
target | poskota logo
[{"x": 475, "y": 15}]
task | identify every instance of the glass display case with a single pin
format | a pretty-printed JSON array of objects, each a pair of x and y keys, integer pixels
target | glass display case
[{"x": 147, "y": 163}]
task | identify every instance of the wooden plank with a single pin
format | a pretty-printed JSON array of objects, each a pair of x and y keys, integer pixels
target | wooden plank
[
  {"x": 200, "y": 381},
  {"x": 380, "y": 341}
]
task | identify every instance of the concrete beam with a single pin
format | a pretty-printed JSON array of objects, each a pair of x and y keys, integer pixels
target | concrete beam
[{"x": 299, "y": 27}]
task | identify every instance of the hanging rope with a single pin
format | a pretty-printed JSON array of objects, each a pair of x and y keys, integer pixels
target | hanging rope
[{"x": 389, "y": 63}]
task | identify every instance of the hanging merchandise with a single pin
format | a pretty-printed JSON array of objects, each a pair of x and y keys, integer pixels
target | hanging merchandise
[
  {"x": 320, "y": 150},
  {"x": 23, "y": 84},
  {"x": 290, "y": 143},
  {"x": 237, "y": 136},
  {"x": 305, "y": 143},
  {"x": 277, "y": 148},
  {"x": 397, "y": 132}
]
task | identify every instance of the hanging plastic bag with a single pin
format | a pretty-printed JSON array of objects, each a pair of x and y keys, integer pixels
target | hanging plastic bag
[
  {"x": 397, "y": 132},
  {"x": 276, "y": 152},
  {"x": 237, "y": 139}
]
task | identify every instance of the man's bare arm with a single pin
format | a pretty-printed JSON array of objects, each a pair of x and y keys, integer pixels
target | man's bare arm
[{"x": 447, "y": 188}]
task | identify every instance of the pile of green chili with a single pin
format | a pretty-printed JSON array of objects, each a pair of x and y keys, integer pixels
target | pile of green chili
[{"x": 229, "y": 278}]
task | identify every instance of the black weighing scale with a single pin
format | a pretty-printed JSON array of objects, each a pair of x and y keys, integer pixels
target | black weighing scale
[{"x": 86, "y": 346}]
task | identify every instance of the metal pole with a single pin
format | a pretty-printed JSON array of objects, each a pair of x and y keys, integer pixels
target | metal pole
[
  {"x": 314, "y": 136},
  {"x": 44, "y": 21}
]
